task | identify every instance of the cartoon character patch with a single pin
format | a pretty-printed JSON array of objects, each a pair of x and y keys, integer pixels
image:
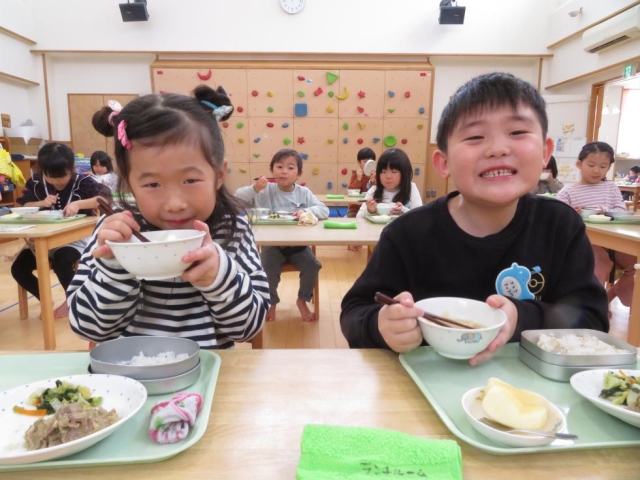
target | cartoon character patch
[
  {"x": 470, "y": 337},
  {"x": 513, "y": 282}
]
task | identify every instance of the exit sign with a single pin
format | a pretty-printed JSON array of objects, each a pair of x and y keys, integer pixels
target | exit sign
[{"x": 628, "y": 71}]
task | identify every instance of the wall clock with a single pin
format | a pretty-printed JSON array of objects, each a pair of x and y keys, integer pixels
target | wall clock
[{"x": 292, "y": 6}]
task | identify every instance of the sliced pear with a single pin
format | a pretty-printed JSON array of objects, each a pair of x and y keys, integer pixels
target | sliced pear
[{"x": 513, "y": 406}]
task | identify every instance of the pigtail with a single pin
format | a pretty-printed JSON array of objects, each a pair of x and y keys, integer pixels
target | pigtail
[
  {"x": 100, "y": 121},
  {"x": 216, "y": 101}
]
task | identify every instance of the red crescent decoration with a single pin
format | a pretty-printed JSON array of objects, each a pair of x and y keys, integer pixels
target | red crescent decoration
[{"x": 204, "y": 76}]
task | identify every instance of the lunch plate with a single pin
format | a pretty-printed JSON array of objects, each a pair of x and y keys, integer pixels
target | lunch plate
[
  {"x": 283, "y": 220},
  {"x": 589, "y": 384},
  {"x": 380, "y": 218},
  {"x": 123, "y": 394},
  {"x": 31, "y": 220},
  {"x": 630, "y": 220},
  {"x": 130, "y": 443},
  {"x": 444, "y": 382}
]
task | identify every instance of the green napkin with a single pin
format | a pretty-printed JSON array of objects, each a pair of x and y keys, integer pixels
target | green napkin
[
  {"x": 330, "y": 224},
  {"x": 333, "y": 196},
  {"x": 354, "y": 453}
]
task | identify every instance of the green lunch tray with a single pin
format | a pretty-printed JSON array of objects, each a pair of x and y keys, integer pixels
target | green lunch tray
[
  {"x": 131, "y": 442},
  {"x": 613, "y": 221},
  {"x": 21, "y": 220},
  {"x": 444, "y": 381}
]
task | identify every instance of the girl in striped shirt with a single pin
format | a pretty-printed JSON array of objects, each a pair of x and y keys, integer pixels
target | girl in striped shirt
[
  {"x": 170, "y": 157},
  {"x": 594, "y": 191}
]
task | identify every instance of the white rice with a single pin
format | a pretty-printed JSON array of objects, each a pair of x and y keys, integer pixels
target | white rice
[
  {"x": 576, "y": 345},
  {"x": 160, "y": 359}
]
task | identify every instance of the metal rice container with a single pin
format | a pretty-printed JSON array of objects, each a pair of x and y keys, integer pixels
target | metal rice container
[{"x": 111, "y": 357}]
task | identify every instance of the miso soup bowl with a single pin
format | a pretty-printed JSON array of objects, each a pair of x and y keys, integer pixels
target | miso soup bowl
[
  {"x": 384, "y": 208},
  {"x": 460, "y": 343},
  {"x": 161, "y": 257}
]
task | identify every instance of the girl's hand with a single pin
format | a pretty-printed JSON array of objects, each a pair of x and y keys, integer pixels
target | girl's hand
[
  {"x": 50, "y": 201},
  {"x": 71, "y": 209},
  {"x": 578, "y": 209},
  {"x": 260, "y": 184},
  {"x": 118, "y": 227},
  {"x": 505, "y": 333},
  {"x": 398, "y": 324},
  {"x": 206, "y": 260},
  {"x": 396, "y": 209},
  {"x": 372, "y": 206}
]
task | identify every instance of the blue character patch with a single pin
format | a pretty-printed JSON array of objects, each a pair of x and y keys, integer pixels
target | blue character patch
[
  {"x": 470, "y": 337},
  {"x": 513, "y": 282}
]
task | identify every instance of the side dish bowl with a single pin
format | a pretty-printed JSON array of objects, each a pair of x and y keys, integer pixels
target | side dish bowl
[
  {"x": 384, "y": 208},
  {"x": 23, "y": 210}
]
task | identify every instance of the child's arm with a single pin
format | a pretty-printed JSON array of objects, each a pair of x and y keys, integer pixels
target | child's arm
[
  {"x": 315, "y": 206},
  {"x": 254, "y": 194}
]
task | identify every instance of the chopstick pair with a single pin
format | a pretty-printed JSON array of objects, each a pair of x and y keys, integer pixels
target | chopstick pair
[
  {"x": 105, "y": 208},
  {"x": 268, "y": 178},
  {"x": 429, "y": 317}
]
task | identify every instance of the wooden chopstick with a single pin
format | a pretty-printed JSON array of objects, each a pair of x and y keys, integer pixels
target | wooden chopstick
[
  {"x": 429, "y": 317},
  {"x": 105, "y": 208}
]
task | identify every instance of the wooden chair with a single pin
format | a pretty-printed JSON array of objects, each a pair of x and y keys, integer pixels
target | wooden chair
[{"x": 23, "y": 302}]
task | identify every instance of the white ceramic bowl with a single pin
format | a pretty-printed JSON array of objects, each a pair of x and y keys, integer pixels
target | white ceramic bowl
[
  {"x": 353, "y": 192},
  {"x": 384, "y": 208},
  {"x": 587, "y": 212},
  {"x": 258, "y": 213},
  {"x": 23, "y": 210},
  {"x": 159, "y": 259},
  {"x": 472, "y": 406},
  {"x": 460, "y": 343},
  {"x": 620, "y": 214}
]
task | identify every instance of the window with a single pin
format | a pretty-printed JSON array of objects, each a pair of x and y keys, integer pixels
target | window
[{"x": 629, "y": 128}]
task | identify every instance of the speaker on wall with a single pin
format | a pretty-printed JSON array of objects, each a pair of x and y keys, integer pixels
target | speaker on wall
[
  {"x": 451, "y": 15},
  {"x": 134, "y": 12}
]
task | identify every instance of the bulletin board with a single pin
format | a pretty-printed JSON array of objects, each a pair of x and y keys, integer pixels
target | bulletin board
[{"x": 326, "y": 112}]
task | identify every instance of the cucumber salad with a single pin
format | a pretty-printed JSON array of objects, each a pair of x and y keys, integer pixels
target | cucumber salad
[{"x": 621, "y": 389}]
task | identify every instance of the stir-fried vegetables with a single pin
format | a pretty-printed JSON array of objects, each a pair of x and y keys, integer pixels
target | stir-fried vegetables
[
  {"x": 621, "y": 389},
  {"x": 49, "y": 400}
]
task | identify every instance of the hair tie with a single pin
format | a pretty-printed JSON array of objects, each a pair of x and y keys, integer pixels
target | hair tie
[
  {"x": 122, "y": 135},
  {"x": 116, "y": 107},
  {"x": 216, "y": 111}
]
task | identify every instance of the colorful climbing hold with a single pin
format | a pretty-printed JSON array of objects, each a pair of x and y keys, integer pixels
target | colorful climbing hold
[
  {"x": 300, "y": 110},
  {"x": 239, "y": 125},
  {"x": 421, "y": 110},
  {"x": 345, "y": 140},
  {"x": 243, "y": 170},
  {"x": 329, "y": 185},
  {"x": 287, "y": 141},
  {"x": 420, "y": 126},
  {"x": 301, "y": 78},
  {"x": 304, "y": 156},
  {"x": 404, "y": 141},
  {"x": 361, "y": 94},
  {"x": 331, "y": 94},
  {"x": 360, "y": 110},
  {"x": 204, "y": 76},
  {"x": 309, "y": 80},
  {"x": 389, "y": 141},
  {"x": 360, "y": 141},
  {"x": 417, "y": 171},
  {"x": 344, "y": 185},
  {"x": 391, "y": 110},
  {"x": 270, "y": 125},
  {"x": 332, "y": 77},
  {"x": 228, "y": 169},
  {"x": 423, "y": 74},
  {"x": 303, "y": 184},
  {"x": 270, "y": 109},
  {"x": 270, "y": 94},
  {"x": 285, "y": 125},
  {"x": 345, "y": 126},
  {"x": 376, "y": 139},
  {"x": 391, "y": 93},
  {"x": 254, "y": 93},
  {"x": 361, "y": 125},
  {"x": 317, "y": 91},
  {"x": 225, "y": 124},
  {"x": 344, "y": 95},
  {"x": 241, "y": 140},
  {"x": 330, "y": 141},
  {"x": 300, "y": 140},
  {"x": 240, "y": 109},
  {"x": 407, "y": 94},
  {"x": 257, "y": 140},
  {"x": 344, "y": 171},
  {"x": 330, "y": 109},
  {"x": 300, "y": 93},
  {"x": 315, "y": 171},
  {"x": 256, "y": 155}
]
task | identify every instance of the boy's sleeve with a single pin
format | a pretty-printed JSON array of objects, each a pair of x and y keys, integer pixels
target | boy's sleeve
[
  {"x": 315, "y": 206},
  {"x": 247, "y": 194},
  {"x": 354, "y": 182}
]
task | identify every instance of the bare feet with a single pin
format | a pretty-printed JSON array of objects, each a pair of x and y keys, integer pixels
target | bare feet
[
  {"x": 62, "y": 311},
  {"x": 271, "y": 314},
  {"x": 307, "y": 315}
]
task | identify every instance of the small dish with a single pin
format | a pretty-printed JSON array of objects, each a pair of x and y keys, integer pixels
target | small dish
[
  {"x": 44, "y": 215},
  {"x": 599, "y": 218},
  {"x": 472, "y": 406},
  {"x": 355, "y": 192},
  {"x": 24, "y": 210},
  {"x": 281, "y": 217},
  {"x": 590, "y": 383}
]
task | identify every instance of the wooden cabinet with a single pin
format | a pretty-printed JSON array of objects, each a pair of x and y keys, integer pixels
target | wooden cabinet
[
  {"x": 9, "y": 197},
  {"x": 84, "y": 138}
]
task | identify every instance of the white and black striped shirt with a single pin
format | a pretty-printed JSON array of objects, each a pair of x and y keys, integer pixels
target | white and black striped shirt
[{"x": 106, "y": 301}]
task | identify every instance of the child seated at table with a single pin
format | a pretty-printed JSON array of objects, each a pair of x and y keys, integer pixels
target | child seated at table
[
  {"x": 596, "y": 192},
  {"x": 492, "y": 142},
  {"x": 286, "y": 194},
  {"x": 359, "y": 180},
  {"x": 102, "y": 169},
  {"x": 57, "y": 187},
  {"x": 393, "y": 185}
]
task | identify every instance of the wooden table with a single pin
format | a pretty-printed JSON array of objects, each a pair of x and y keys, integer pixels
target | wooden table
[
  {"x": 47, "y": 236},
  {"x": 626, "y": 239},
  {"x": 634, "y": 189},
  {"x": 264, "y": 398},
  {"x": 366, "y": 233}
]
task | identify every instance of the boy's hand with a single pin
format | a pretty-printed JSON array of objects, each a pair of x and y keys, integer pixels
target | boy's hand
[
  {"x": 71, "y": 209},
  {"x": 50, "y": 201},
  {"x": 298, "y": 213},
  {"x": 372, "y": 206},
  {"x": 396, "y": 209},
  {"x": 260, "y": 184},
  {"x": 505, "y": 333},
  {"x": 118, "y": 227},
  {"x": 398, "y": 324},
  {"x": 359, "y": 174},
  {"x": 206, "y": 260}
]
